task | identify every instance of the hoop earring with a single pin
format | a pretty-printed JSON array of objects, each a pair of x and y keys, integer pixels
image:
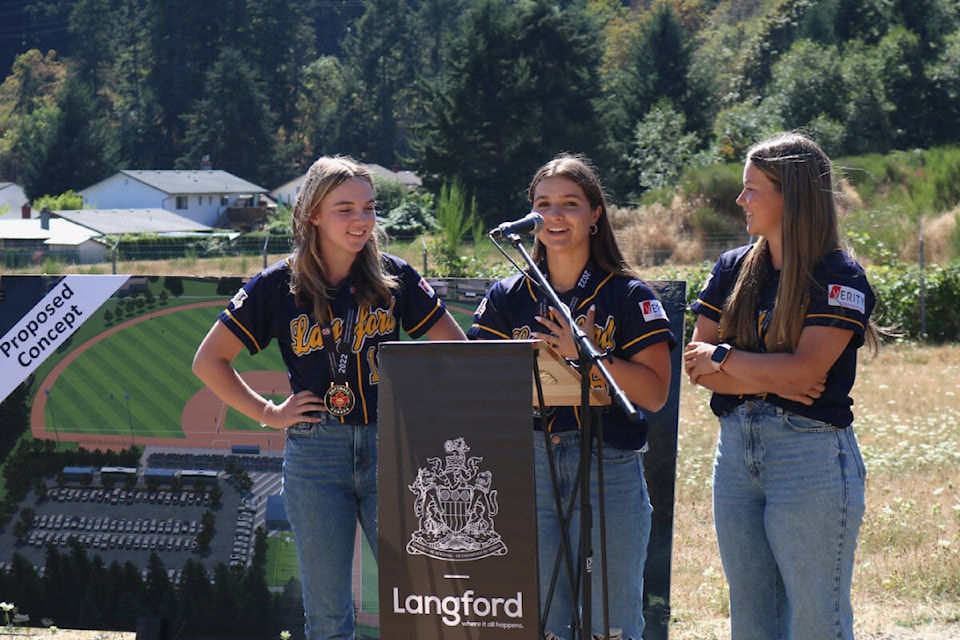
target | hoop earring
[{"x": 594, "y": 229}]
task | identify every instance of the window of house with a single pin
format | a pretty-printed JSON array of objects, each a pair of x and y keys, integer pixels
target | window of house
[
  {"x": 223, "y": 201},
  {"x": 182, "y": 202}
]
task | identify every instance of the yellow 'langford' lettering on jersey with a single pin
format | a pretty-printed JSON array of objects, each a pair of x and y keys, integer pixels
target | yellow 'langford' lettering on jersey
[
  {"x": 603, "y": 340},
  {"x": 603, "y": 336},
  {"x": 376, "y": 322},
  {"x": 523, "y": 333},
  {"x": 304, "y": 337}
]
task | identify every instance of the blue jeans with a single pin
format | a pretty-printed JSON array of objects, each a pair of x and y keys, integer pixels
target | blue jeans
[
  {"x": 628, "y": 513},
  {"x": 788, "y": 500},
  {"x": 329, "y": 484}
]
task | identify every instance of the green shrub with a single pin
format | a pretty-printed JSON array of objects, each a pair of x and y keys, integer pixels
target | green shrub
[
  {"x": 898, "y": 288},
  {"x": 409, "y": 220}
]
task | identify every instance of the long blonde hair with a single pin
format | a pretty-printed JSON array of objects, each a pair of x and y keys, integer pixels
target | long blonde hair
[
  {"x": 603, "y": 244},
  {"x": 308, "y": 279},
  {"x": 801, "y": 172}
]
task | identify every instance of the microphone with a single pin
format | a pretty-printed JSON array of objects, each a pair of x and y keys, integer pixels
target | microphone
[{"x": 530, "y": 223}]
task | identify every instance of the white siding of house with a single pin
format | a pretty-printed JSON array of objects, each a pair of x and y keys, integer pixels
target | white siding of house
[{"x": 123, "y": 192}]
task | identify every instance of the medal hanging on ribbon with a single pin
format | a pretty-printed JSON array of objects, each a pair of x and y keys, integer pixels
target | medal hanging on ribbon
[{"x": 339, "y": 399}]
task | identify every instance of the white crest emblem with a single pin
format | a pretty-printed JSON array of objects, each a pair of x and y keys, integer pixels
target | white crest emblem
[
  {"x": 455, "y": 505},
  {"x": 238, "y": 298}
]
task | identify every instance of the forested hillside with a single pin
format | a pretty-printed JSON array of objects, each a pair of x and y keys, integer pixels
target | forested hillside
[{"x": 477, "y": 91}]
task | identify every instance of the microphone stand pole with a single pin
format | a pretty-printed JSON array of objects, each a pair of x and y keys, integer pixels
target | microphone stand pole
[{"x": 589, "y": 358}]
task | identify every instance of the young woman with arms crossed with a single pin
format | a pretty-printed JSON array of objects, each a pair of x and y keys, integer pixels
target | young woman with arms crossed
[{"x": 778, "y": 326}]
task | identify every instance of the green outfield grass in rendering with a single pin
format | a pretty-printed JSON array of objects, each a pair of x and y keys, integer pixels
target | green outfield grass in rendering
[{"x": 136, "y": 380}]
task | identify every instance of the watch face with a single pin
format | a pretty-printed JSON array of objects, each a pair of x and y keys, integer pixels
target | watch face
[{"x": 719, "y": 353}]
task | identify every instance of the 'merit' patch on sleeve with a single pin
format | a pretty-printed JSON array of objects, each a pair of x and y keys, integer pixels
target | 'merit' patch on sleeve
[
  {"x": 847, "y": 297},
  {"x": 652, "y": 310}
]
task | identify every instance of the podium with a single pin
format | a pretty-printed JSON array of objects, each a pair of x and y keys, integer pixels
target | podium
[
  {"x": 457, "y": 542},
  {"x": 457, "y": 523}
]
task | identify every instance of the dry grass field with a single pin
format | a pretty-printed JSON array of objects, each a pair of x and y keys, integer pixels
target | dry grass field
[{"x": 907, "y": 579}]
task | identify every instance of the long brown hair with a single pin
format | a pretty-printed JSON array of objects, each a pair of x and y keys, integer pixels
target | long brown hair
[
  {"x": 801, "y": 172},
  {"x": 603, "y": 244},
  {"x": 308, "y": 279}
]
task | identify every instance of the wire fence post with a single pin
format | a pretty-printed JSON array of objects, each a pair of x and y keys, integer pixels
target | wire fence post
[
  {"x": 923, "y": 289},
  {"x": 423, "y": 243}
]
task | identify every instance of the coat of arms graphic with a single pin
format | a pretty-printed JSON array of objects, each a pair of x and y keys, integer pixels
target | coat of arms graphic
[{"x": 455, "y": 505}]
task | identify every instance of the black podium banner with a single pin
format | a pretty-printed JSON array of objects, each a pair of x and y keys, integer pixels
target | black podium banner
[{"x": 457, "y": 542}]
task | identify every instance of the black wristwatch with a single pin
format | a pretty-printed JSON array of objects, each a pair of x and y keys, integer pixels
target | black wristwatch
[{"x": 720, "y": 356}]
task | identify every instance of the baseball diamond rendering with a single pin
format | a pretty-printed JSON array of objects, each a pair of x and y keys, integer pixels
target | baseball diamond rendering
[{"x": 123, "y": 379}]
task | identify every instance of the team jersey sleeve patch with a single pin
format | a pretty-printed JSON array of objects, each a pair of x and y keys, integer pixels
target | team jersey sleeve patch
[
  {"x": 847, "y": 297},
  {"x": 238, "y": 298},
  {"x": 652, "y": 310},
  {"x": 425, "y": 286},
  {"x": 481, "y": 309}
]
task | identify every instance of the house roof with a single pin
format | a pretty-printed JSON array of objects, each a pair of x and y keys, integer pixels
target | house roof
[
  {"x": 61, "y": 232},
  {"x": 174, "y": 181},
  {"x": 120, "y": 221},
  {"x": 408, "y": 178}
]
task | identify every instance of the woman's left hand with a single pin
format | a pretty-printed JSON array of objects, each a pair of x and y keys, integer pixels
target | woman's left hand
[
  {"x": 697, "y": 360},
  {"x": 558, "y": 334}
]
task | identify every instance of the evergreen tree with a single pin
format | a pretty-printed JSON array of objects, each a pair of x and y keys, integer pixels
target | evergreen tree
[
  {"x": 195, "y": 610},
  {"x": 185, "y": 42},
  {"x": 382, "y": 53},
  {"x": 321, "y": 107},
  {"x": 73, "y": 149},
  {"x": 657, "y": 70},
  {"x": 256, "y": 602},
  {"x": 232, "y": 123},
  {"x": 226, "y": 602},
  {"x": 277, "y": 42},
  {"x": 520, "y": 87}
]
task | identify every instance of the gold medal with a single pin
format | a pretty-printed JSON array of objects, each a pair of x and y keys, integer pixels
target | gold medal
[{"x": 339, "y": 399}]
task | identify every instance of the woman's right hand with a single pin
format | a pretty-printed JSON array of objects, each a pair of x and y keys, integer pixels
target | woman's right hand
[
  {"x": 297, "y": 407},
  {"x": 809, "y": 396}
]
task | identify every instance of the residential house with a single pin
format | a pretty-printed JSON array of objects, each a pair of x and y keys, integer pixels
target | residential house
[
  {"x": 287, "y": 193},
  {"x": 213, "y": 197},
  {"x": 12, "y": 200},
  {"x": 33, "y": 240}
]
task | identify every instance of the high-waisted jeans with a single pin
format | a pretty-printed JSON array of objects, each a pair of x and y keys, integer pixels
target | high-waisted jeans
[
  {"x": 788, "y": 501},
  {"x": 628, "y": 515},
  {"x": 329, "y": 484}
]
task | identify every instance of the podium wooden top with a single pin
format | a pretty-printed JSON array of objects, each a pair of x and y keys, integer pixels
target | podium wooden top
[{"x": 560, "y": 381}]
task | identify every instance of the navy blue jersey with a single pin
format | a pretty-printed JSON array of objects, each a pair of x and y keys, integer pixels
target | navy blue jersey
[
  {"x": 629, "y": 318},
  {"x": 265, "y": 309},
  {"x": 841, "y": 297}
]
